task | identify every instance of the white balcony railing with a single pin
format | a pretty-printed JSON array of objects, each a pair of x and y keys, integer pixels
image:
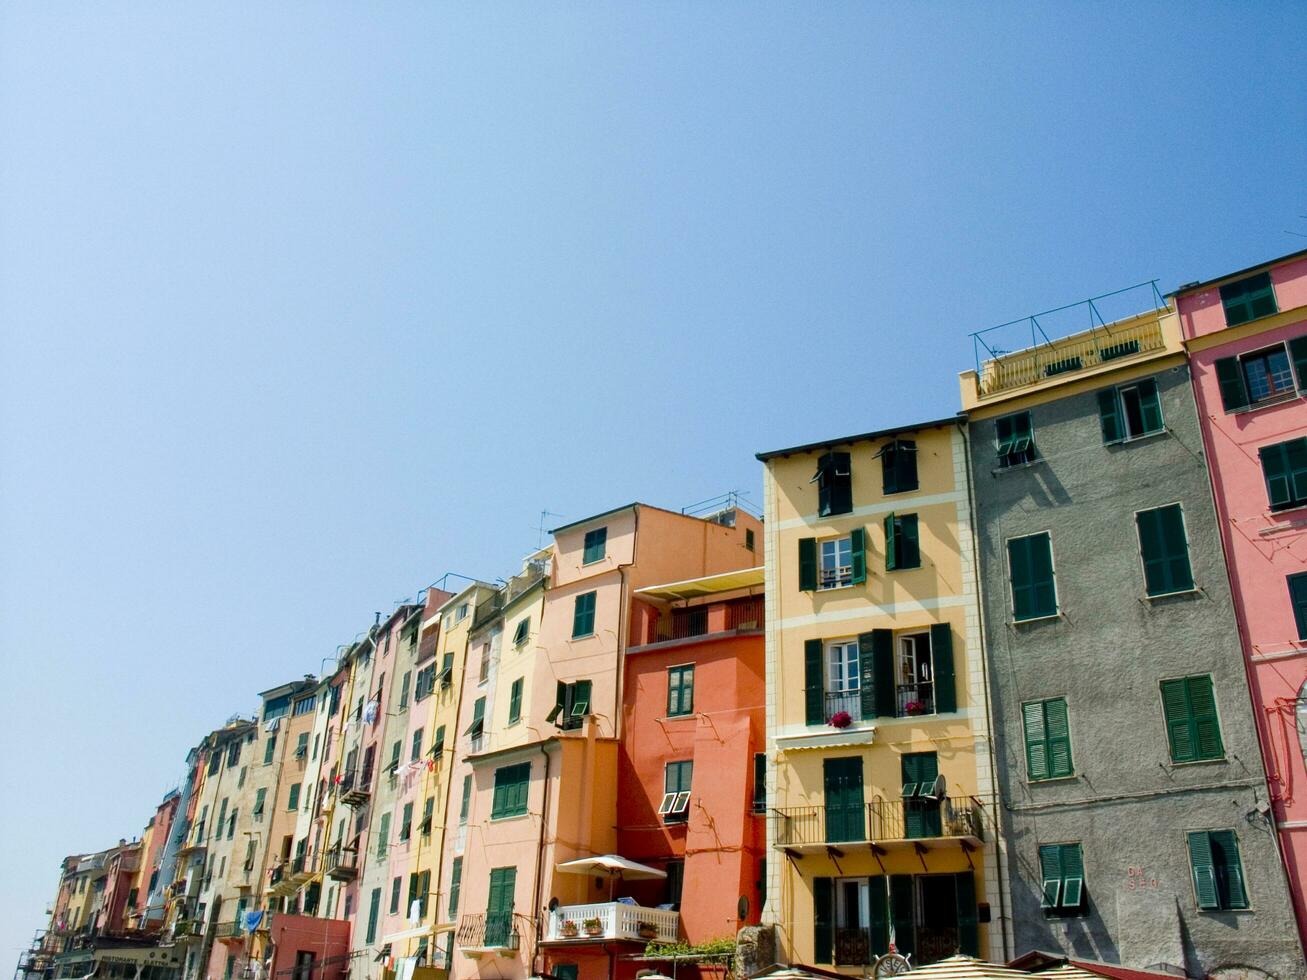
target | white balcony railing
[{"x": 617, "y": 920}]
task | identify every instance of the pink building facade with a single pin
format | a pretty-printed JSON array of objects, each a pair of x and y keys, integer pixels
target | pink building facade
[{"x": 1246, "y": 336}]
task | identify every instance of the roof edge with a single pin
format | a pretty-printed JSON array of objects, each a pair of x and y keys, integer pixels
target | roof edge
[{"x": 861, "y": 437}]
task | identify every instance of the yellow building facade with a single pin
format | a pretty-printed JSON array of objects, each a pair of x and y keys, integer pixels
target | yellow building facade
[{"x": 880, "y": 783}]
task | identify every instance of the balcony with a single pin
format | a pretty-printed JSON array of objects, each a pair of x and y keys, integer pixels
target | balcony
[
  {"x": 229, "y": 932},
  {"x": 607, "y": 921},
  {"x": 482, "y": 933},
  {"x": 355, "y": 788},
  {"x": 187, "y": 929},
  {"x": 678, "y": 625},
  {"x": 883, "y": 824},
  {"x": 342, "y": 863}
]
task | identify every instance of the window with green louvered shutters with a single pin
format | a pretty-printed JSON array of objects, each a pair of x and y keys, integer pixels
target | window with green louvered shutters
[
  {"x": 876, "y": 664},
  {"x": 858, "y": 555},
  {"x": 1230, "y": 888},
  {"x": 898, "y": 460},
  {"x": 823, "y": 924},
  {"x": 921, "y": 813},
  {"x": 968, "y": 914},
  {"x": 510, "y": 794},
  {"x": 1284, "y": 467},
  {"x": 808, "y": 564},
  {"x": 583, "y": 615},
  {"x": 1015, "y": 440},
  {"x": 901, "y": 545},
  {"x": 1229, "y": 379},
  {"x": 1048, "y": 739},
  {"x": 499, "y": 906},
  {"x": 1193, "y": 729},
  {"x": 1062, "y": 874},
  {"x": 1109, "y": 416},
  {"x": 1298, "y": 598},
  {"x": 1165, "y": 550},
  {"x": 941, "y": 655},
  {"x": 455, "y": 885},
  {"x": 814, "y": 683},
  {"x": 1248, "y": 299},
  {"x": 842, "y": 783},
  {"x": 878, "y": 914},
  {"x": 1030, "y": 567},
  {"x": 515, "y": 702}
]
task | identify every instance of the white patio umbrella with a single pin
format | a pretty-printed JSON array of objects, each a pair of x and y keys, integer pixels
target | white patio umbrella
[{"x": 613, "y": 865}]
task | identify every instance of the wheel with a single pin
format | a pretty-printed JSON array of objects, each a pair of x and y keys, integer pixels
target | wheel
[{"x": 891, "y": 965}]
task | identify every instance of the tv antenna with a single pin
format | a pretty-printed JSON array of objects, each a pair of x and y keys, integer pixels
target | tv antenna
[{"x": 540, "y": 528}]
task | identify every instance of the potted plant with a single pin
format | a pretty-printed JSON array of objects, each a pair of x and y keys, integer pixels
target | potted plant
[
  {"x": 592, "y": 927},
  {"x": 915, "y": 707},
  {"x": 841, "y": 719},
  {"x": 568, "y": 928},
  {"x": 646, "y": 930}
]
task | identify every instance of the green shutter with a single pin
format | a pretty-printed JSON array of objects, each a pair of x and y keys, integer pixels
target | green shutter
[
  {"x": 1298, "y": 352},
  {"x": 1229, "y": 869},
  {"x": 968, "y": 918},
  {"x": 1248, "y": 299},
  {"x": 1204, "y": 871},
  {"x": 902, "y": 892},
  {"x": 891, "y": 546},
  {"x": 1050, "y": 875},
  {"x": 1275, "y": 470},
  {"x": 1202, "y": 710},
  {"x": 1164, "y": 549},
  {"x": 858, "y": 554},
  {"x": 882, "y": 644},
  {"x": 814, "y": 687},
  {"x": 499, "y": 906},
  {"x": 1031, "y": 568},
  {"x": 455, "y": 885},
  {"x": 808, "y": 564},
  {"x": 941, "y": 653},
  {"x": 1109, "y": 416},
  {"x": 1179, "y": 726},
  {"x": 1073, "y": 876},
  {"x": 846, "y": 819},
  {"x": 823, "y": 920},
  {"x": 1058, "y": 729},
  {"x": 1036, "y": 732},
  {"x": 921, "y": 817},
  {"x": 1298, "y": 597},
  {"x": 383, "y": 835},
  {"x": 374, "y": 910},
  {"x": 515, "y": 702},
  {"x": 867, "y": 669},
  {"x": 878, "y": 914},
  {"x": 1229, "y": 378},
  {"x": 1150, "y": 406},
  {"x": 909, "y": 547}
]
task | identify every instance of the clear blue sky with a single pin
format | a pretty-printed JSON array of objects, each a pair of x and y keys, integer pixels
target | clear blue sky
[{"x": 304, "y": 304}]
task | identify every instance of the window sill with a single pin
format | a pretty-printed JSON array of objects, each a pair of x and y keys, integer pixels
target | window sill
[
  {"x": 1199, "y": 762},
  {"x": 905, "y": 568},
  {"x": 679, "y": 717},
  {"x": 1053, "y": 780},
  {"x": 593, "y": 561},
  {"x": 1288, "y": 509},
  {"x": 503, "y": 817},
  {"x": 1034, "y": 619},
  {"x": 1195, "y": 591},
  {"x": 1269, "y": 403},
  {"x": 583, "y": 636},
  {"x": 1017, "y": 466},
  {"x": 835, "y": 588},
  {"x": 1142, "y": 437}
]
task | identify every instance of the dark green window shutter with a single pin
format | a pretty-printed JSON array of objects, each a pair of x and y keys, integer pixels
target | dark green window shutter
[
  {"x": 968, "y": 919},
  {"x": 941, "y": 653},
  {"x": 583, "y": 615},
  {"x": 1179, "y": 726},
  {"x": 1036, "y": 732},
  {"x": 374, "y": 910},
  {"x": 595, "y": 542},
  {"x": 909, "y": 546},
  {"x": 898, "y": 460},
  {"x": 1298, "y": 353},
  {"x": 808, "y": 564},
  {"x": 1204, "y": 871},
  {"x": 921, "y": 816},
  {"x": 1164, "y": 549},
  {"x": 834, "y": 484},
  {"x": 1206, "y": 724},
  {"x": 1298, "y": 597},
  {"x": 891, "y": 546},
  {"x": 1031, "y": 567},
  {"x": 867, "y": 669},
  {"x": 846, "y": 818},
  {"x": 878, "y": 914},
  {"x": 814, "y": 686},
  {"x": 858, "y": 554},
  {"x": 1050, "y": 874},
  {"x": 1150, "y": 406},
  {"x": 455, "y": 885},
  {"x": 499, "y": 906},
  {"x": 1229, "y": 377},
  {"x": 1275, "y": 470},
  {"x": 887, "y": 701},
  {"x": 1058, "y": 728},
  {"x": 902, "y": 895},
  {"x": 1248, "y": 299},
  {"x": 1229, "y": 869},
  {"x": 823, "y": 920},
  {"x": 1109, "y": 416},
  {"x": 515, "y": 701}
]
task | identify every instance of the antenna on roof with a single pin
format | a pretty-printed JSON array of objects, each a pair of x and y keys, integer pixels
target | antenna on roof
[{"x": 540, "y": 529}]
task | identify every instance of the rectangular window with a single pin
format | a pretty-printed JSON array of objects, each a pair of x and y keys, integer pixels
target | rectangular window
[
  {"x": 760, "y": 782},
  {"x": 499, "y": 907},
  {"x": 374, "y": 909},
  {"x": 571, "y": 705},
  {"x": 404, "y": 683},
  {"x": 406, "y": 822},
  {"x": 424, "y": 684},
  {"x": 1284, "y": 467},
  {"x": 902, "y": 549},
  {"x": 1267, "y": 375},
  {"x": 1048, "y": 739},
  {"x": 511, "y": 786},
  {"x": 1130, "y": 411},
  {"x": 583, "y": 615},
  {"x": 415, "y": 747},
  {"x": 675, "y": 804},
  {"x": 438, "y": 746},
  {"x": 478, "y": 726},
  {"x": 522, "y": 632},
  {"x": 302, "y": 746},
  {"x": 396, "y": 888},
  {"x": 843, "y": 679},
  {"x": 1164, "y": 548},
  {"x": 293, "y": 801},
  {"x": 1062, "y": 870},
  {"x": 596, "y": 542},
  {"x": 269, "y": 748},
  {"x": 1015, "y": 440},
  {"x": 1217, "y": 870},
  {"x": 428, "y": 811},
  {"x": 675, "y": 883},
  {"x": 1030, "y": 570},
  {"x": 836, "y": 563},
  {"x": 234, "y": 754},
  {"x": 1248, "y": 299},
  {"x": 467, "y": 799},
  {"x": 915, "y": 676},
  {"x": 395, "y": 751},
  {"x": 455, "y": 885},
  {"x": 515, "y": 702},
  {"x": 304, "y": 705},
  {"x": 834, "y": 479},
  {"x": 680, "y": 690},
  {"x": 1193, "y": 728},
  {"x": 383, "y": 835},
  {"x": 898, "y": 462},
  {"x": 1298, "y": 598},
  {"x": 260, "y": 799}
]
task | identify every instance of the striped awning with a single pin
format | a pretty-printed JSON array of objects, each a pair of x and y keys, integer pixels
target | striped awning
[
  {"x": 694, "y": 588},
  {"x": 967, "y": 968}
]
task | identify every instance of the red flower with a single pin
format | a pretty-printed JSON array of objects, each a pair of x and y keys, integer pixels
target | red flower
[{"x": 841, "y": 719}]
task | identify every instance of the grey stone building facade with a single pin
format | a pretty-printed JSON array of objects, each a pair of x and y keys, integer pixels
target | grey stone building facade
[{"x": 1137, "y": 829}]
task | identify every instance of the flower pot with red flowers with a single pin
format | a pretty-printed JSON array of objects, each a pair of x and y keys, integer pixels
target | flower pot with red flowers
[
  {"x": 841, "y": 719},
  {"x": 569, "y": 928},
  {"x": 592, "y": 927},
  {"x": 915, "y": 708}
]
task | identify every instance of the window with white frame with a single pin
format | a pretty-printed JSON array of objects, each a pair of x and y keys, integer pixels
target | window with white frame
[
  {"x": 836, "y": 569},
  {"x": 916, "y": 680},
  {"x": 843, "y": 679}
]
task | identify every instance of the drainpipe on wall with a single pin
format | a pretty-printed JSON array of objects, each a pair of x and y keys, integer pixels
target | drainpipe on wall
[
  {"x": 989, "y": 711},
  {"x": 540, "y": 860}
]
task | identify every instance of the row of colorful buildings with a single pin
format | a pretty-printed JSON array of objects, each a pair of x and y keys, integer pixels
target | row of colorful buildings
[{"x": 1027, "y": 683}]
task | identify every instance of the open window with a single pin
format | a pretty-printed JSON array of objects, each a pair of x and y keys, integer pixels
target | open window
[
  {"x": 1015, "y": 440},
  {"x": 834, "y": 481},
  {"x": 571, "y": 705},
  {"x": 1062, "y": 878}
]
